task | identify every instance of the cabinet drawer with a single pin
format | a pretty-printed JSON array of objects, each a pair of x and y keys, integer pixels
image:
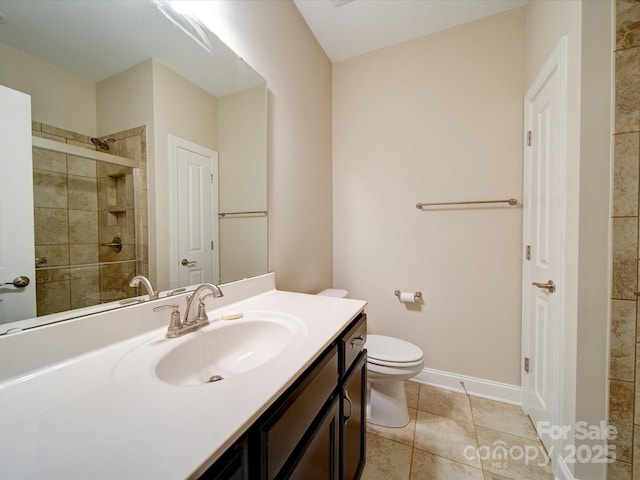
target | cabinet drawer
[
  {"x": 352, "y": 343},
  {"x": 288, "y": 425}
]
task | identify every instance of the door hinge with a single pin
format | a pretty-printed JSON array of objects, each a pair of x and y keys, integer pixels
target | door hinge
[
  {"x": 212, "y": 178},
  {"x": 529, "y": 138},
  {"x": 212, "y": 245},
  {"x": 526, "y": 364},
  {"x": 528, "y": 252}
]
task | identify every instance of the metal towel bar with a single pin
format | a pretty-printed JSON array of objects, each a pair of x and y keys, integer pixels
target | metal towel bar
[
  {"x": 510, "y": 201},
  {"x": 256, "y": 212}
]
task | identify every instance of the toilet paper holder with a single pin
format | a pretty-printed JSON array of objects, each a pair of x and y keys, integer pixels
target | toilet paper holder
[{"x": 416, "y": 296}]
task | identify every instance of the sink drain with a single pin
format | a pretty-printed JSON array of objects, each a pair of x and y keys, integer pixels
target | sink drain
[{"x": 215, "y": 378}]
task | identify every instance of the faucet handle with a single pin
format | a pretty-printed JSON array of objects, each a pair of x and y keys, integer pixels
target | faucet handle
[
  {"x": 201, "y": 312},
  {"x": 175, "y": 325}
]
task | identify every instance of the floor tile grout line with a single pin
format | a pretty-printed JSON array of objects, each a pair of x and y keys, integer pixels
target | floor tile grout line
[
  {"x": 413, "y": 447},
  {"x": 537, "y": 439},
  {"x": 415, "y": 427},
  {"x": 448, "y": 418},
  {"x": 411, "y": 462},
  {"x": 440, "y": 455},
  {"x": 473, "y": 421}
]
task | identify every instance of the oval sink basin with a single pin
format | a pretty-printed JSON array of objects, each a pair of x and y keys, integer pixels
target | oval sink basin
[{"x": 232, "y": 348}]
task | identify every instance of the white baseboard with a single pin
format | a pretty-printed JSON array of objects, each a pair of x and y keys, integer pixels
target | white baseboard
[{"x": 479, "y": 387}]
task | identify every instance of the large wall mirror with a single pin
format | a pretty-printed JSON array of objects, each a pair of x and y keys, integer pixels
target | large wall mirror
[{"x": 172, "y": 184}]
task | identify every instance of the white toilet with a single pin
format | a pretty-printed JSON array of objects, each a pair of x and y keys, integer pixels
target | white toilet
[{"x": 390, "y": 361}]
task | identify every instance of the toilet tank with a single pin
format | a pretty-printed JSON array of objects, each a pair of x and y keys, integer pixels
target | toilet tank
[{"x": 334, "y": 292}]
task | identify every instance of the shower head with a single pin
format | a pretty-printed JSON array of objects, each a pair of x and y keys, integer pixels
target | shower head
[{"x": 102, "y": 144}]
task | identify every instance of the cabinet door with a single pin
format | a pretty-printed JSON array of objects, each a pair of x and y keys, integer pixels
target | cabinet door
[
  {"x": 354, "y": 420},
  {"x": 231, "y": 466},
  {"x": 320, "y": 456},
  {"x": 287, "y": 427}
]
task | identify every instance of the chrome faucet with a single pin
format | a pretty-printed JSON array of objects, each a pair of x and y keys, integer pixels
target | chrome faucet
[
  {"x": 201, "y": 313},
  {"x": 177, "y": 327},
  {"x": 141, "y": 279}
]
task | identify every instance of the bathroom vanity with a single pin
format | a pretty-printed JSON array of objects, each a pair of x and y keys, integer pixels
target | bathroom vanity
[
  {"x": 108, "y": 396},
  {"x": 316, "y": 429}
]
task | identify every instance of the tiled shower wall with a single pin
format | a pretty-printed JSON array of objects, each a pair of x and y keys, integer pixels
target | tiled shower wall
[
  {"x": 624, "y": 391},
  {"x": 79, "y": 205}
]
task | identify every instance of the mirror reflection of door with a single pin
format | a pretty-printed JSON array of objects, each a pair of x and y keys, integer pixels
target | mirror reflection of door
[
  {"x": 16, "y": 207},
  {"x": 194, "y": 169}
]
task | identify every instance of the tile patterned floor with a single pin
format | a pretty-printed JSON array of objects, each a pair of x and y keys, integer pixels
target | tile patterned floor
[{"x": 452, "y": 436}]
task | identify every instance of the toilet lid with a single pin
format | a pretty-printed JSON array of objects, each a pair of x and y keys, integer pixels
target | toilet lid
[{"x": 385, "y": 350}]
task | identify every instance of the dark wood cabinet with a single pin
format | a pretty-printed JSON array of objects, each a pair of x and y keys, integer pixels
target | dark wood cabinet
[
  {"x": 320, "y": 456},
  {"x": 353, "y": 428},
  {"x": 316, "y": 429},
  {"x": 287, "y": 426},
  {"x": 233, "y": 465}
]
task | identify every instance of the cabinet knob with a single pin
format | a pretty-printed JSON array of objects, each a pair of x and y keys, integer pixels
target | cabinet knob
[{"x": 357, "y": 341}]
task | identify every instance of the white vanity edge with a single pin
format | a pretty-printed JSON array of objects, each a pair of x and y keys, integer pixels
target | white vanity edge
[{"x": 73, "y": 417}]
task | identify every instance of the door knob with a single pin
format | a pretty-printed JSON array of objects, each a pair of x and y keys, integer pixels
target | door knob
[
  {"x": 19, "y": 282},
  {"x": 550, "y": 286},
  {"x": 188, "y": 263}
]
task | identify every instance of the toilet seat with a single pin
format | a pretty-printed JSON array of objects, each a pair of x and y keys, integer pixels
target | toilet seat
[{"x": 392, "y": 352}]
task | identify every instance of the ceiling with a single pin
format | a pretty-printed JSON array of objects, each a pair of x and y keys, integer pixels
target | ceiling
[
  {"x": 345, "y": 28},
  {"x": 99, "y": 38}
]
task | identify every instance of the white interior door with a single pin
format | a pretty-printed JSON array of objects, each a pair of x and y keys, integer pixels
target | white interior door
[
  {"x": 195, "y": 219},
  {"x": 543, "y": 238},
  {"x": 17, "y": 257}
]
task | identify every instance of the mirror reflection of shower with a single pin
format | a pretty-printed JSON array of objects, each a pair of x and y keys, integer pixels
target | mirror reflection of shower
[
  {"x": 102, "y": 144},
  {"x": 81, "y": 207}
]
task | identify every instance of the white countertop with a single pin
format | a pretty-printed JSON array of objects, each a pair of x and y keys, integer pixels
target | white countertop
[{"x": 104, "y": 414}]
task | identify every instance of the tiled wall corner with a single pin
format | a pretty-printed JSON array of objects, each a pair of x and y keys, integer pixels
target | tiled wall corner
[
  {"x": 625, "y": 257},
  {"x": 623, "y": 340},
  {"x": 627, "y": 21},
  {"x": 619, "y": 471},
  {"x": 627, "y": 96},
  {"x": 624, "y": 365},
  {"x": 621, "y": 401}
]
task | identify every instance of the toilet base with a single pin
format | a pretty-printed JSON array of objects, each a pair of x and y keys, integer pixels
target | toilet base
[{"x": 387, "y": 404}]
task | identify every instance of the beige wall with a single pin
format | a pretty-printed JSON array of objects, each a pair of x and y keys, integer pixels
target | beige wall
[
  {"x": 242, "y": 146},
  {"x": 433, "y": 120},
  {"x": 57, "y": 97},
  {"x": 274, "y": 39},
  {"x": 125, "y": 100}
]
